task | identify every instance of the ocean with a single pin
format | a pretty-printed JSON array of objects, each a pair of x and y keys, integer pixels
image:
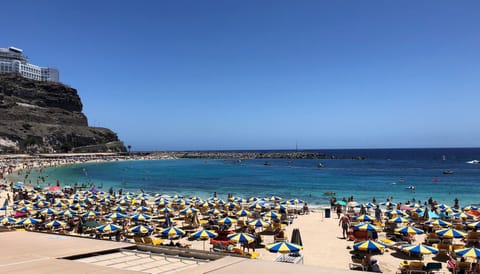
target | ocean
[{"x": 385, "y": 173}]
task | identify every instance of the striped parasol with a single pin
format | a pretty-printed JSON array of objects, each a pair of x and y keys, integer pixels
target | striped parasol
[
  {"x": 172, "y": 232},
  {"x": 419, "y": 249},
  {"x": 366, "y": 227},
  {"x": 450, "y": 233},
  {"x": 369, "y": 245},
  {"x": 140, "y": 229},
  {"x": 409, "y": 230},
  {"x": 241, "y": 238},
  {"x": 283, "y": 247},
  {"x": 109, "y": 228},
  {"x": 471, "y": 252}
]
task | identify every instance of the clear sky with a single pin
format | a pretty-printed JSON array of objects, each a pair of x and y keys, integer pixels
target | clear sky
[{"x": 174, "y": 75}]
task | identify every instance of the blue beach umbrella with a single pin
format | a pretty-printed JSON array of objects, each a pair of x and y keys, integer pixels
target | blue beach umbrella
[
  {"x": 243, "y": 213},
  {"x": 364, "y": 218},
  {"x": 259, "y": 223},
  {"x": 29, "y": 221},
  {"x": 172, "y": 232},
  {"x": 471, "y": 252},
  {"x": 241, "y": 238},
  {"x": 47, "y": 211},
  {"x": 474, "y": 224},
  {"x": 55, "y": 223},
  {"x": 140, "y": 229},
  {"x": 409, "y": 230},
  {"x": 90, "y": 214},
  {"x": 204, "y": 235},
  {"x": 115, "y": 215},
  {"x": 272, "y": 215},
  {"x": 227, "y": 221},
  {"x": 419, "y": 249},
  {"x": 439, "y": 223},
  {"x": 141, "y": 217},
  {"x": 7, "y": 220},
  {"x": 283, "y": 247},
  {"x": 366, "y": 227},
  {"x": 370, "y": 246},
  {"x": 108, "y": 228},
  {"x": 188, "y": 211},
  {"x": 450, "y": 233},
  {"x": 67, "y": 213}
]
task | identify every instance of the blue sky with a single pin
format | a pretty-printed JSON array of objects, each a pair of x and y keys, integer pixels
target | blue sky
[{"x": 175, "y": 75}]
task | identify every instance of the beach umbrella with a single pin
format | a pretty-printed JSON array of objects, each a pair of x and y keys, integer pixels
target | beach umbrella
[
  {"x": 55, "y": 223},
  {"x": 204, "y": 235},
  {"x": 242, "y": 238},
  {"x": 342, "y": 203},
  {"x": 231, "y": 205},
  {"x": 188, "y": 211},
  {"x": 141, "y": 217},
  {"x": 90, "y": 214},
  {"x": 215, "y": 212},
  {"x": 109, "y": 228},
  {"x": 47, "y": 211},
  {"x": 369, "y": 245},
  {"x": 6, "y": 207},
  {"x": 115, "y": 215},
  {"x": 283, "y": 247},
  {"x": 29, "y": 221},
  {"x": 259, "y": 223},
  {"x": 143, "y": 209},
  {"x": 470, "y": 207},
  {"x": 409, "y": 230},
  {"x": 272, "y": 215},
  {"x": 471, "y": 252},
  {"x": 463, "y": 215},
  {"x": 166, "y": 210},
  {"x": 227, "y": 221},
  {"x": 140, "y": 229},
  {"x": 243, "y": 213},
  {"x": 42, "y": 204},
  {"x": 366, "y": 227},
  {"x": 450, "y": 233},
  {"x": 257, "y": 206},
  {"x": 399, "y": 220},
  {"x": 61, "y": 205},
  {"x": 172, "y": 232},
  {"x": 7, "y": 220},
  {"x": 474, "y": 224},
  {"x": 439, "y": 223},
  {"x": 67, "y": 213},
  {"x": 419, "y": 249},
  {"x": 296, "y": 201},
  {"x": 280, "y": 208},
  {"x": 162, "y": 202},
  {"x": 23, "y": 202},
  {"x": 395, "y": 212},
  {"x": 120, "y": 208},
  {"x": 364, "y": 218}
]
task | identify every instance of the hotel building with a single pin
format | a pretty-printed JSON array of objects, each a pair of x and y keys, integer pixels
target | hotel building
[{"x": 12, "y": 60}]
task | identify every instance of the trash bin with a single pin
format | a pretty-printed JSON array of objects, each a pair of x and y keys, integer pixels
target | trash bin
[{"x": 327, "y": 212}]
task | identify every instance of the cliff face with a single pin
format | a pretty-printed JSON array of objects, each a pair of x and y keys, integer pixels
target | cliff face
[{"x": 47, "y": 117}]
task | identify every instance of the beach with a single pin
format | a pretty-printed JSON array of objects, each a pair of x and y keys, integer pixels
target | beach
[{"x": 322, "y": 242}]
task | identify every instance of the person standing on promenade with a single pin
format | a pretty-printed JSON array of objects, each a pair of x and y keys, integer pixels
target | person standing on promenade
[{"x": 345, "y": 223}]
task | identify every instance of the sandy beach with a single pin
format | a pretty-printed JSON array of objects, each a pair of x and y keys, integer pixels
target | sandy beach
[{"x": 323, "y": 244}]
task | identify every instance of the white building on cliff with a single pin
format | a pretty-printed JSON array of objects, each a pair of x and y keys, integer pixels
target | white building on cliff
[{"x": 12, "y": 60}]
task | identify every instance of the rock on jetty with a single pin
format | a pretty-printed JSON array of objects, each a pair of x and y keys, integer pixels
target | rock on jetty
[{"x": 257, "y": 155}]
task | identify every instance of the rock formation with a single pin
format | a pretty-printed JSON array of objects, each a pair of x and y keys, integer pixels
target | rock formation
[{"x": 46, "y": 117}]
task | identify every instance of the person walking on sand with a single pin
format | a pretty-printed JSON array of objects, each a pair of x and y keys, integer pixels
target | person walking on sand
[{"x": 345, "y": 223}]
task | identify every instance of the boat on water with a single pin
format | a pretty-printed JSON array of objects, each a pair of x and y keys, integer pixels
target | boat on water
[
  {"x": 320, "y": 165},
  {"x": 473, "y": 162},
  {"x": 410, "y": 187},
  {"x": 448, "y": 172},
  {"x": 329, "y": 193}
]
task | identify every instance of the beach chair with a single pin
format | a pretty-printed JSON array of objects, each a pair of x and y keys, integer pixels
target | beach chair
[
  {"x": 462, "y": 267},
  {"x": 138, "y": 240},
  {"x": 443, "y": 249},
  {"x": 357, "y": 263},
  {"x": 432, "y": 238},
  {"x": 152, "y": 240},
  {"x": 433, "y": 267}
]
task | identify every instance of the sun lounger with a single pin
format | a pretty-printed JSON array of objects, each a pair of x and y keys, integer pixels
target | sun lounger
[
  {"x": 152, "y": 240},
  {"x": 443, "y": 248}
]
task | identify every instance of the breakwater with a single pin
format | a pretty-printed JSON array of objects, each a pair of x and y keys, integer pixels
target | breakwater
[{"x": 256, "y": 155}]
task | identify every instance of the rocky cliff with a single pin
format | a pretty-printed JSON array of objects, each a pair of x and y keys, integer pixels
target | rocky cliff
[{"x": 47, "y": 117}]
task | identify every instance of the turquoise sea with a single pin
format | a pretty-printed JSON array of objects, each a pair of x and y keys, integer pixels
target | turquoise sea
[{"x": 386, "y": 173}]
